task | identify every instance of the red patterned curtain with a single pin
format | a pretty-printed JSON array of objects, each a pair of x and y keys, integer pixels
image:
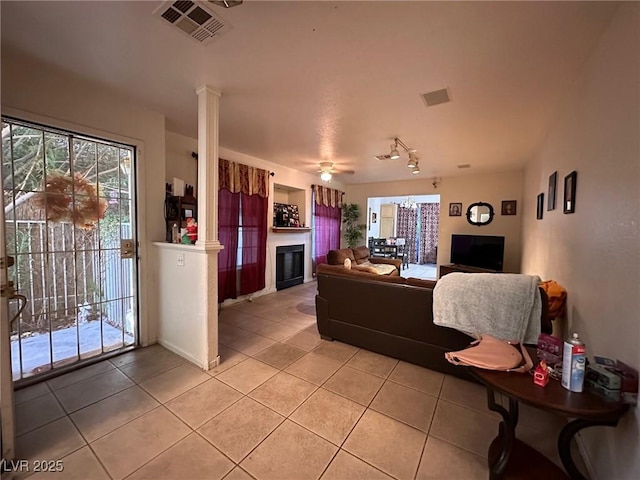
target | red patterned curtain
[
  {"x": 327, "y": 213},
  {"x": 228, "y": 224},
  {"x": 254, "y": 243},
  {"x": 429, "y": 223},
  {"x": 408, "y": 229},
  {"x": 242, "y": 207}
]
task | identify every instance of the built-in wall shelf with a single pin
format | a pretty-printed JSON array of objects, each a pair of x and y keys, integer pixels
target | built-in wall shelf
[{"x": 290, "y": 229}]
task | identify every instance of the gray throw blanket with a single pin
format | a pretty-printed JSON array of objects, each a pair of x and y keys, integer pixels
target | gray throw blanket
[{"x": 507, "y": 306}]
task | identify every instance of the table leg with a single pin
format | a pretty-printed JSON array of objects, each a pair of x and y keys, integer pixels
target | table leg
[
  {"x": 506, "y": 434},
  {"x": 564, "y": 444}
]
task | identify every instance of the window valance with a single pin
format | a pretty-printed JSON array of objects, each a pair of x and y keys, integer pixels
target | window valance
[
  {"x": 237, "y": 177},
  {"x": 327, "y": 196}
]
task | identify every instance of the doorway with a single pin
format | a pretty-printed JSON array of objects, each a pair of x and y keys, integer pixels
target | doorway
[
  {"x": 69, "y": 226},
  {"x": 415, "y": 220}
]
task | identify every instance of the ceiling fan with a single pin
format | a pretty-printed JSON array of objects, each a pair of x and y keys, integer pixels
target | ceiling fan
[{"x": 327, "y": 170}]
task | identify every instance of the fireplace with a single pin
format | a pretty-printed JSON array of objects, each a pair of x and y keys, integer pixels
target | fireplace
[{"x": 289, "y": 266}]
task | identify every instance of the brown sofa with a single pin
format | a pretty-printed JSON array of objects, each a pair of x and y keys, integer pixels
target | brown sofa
[
  {"x": 360, "y": 256},
  {"x": 390, "y": 315}
]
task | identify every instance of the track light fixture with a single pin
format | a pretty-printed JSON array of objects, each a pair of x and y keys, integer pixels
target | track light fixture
[
  {"x": 394, "y": 154},
  {"x": 413, "y": 160}
]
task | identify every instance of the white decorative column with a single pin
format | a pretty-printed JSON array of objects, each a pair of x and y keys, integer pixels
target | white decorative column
[
  {"x": 208, "y": 113},
  {"x": 208, "y": 123}
]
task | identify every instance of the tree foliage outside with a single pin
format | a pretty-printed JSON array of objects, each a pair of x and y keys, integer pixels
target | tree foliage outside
[
  {"x": 353, "y": 231},
  {"x": 59, "y": 260}
]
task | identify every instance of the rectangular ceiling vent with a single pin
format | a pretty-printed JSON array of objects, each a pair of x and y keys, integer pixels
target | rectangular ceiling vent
[
  {"x": 436, "y": 97},
  {"x": 194, "y": 19},
  {"x": 383, "y": 158}
]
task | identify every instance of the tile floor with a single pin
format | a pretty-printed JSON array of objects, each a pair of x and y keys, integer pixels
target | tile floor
[
  {"x": 427, "y": 271},
  {"x": 283, "y": 404}
]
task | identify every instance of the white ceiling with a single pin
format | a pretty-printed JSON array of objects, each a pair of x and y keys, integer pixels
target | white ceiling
[{"x": 304, "y": 82}]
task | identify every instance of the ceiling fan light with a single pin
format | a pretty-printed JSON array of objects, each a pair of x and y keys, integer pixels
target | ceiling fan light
[
  {"x": 226, "y": 3},
  {"x": 325, "y": 176}
]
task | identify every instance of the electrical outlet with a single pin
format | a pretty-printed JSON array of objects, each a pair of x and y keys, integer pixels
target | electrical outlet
[{"x": 181, "y": 260}]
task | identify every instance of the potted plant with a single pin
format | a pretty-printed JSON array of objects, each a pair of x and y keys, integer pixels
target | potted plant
[{"x": 352, "y": 230}]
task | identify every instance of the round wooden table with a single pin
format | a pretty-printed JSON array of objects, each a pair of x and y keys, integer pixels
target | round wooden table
[{"x": 586, "y": 410}]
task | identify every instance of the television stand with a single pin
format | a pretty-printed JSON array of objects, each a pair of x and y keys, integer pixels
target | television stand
[{"x": 454, "y": 267}]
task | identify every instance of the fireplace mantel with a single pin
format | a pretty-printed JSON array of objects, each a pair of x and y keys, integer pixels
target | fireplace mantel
[{"x": 290, "y": 229}]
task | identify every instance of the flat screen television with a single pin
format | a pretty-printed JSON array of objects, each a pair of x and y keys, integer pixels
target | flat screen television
[{"x": 482, "y": 251}]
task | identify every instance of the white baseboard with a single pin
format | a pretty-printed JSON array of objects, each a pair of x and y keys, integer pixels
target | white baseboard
[
  {"x": 187, "y": 356},
  {"x": 214, "y": 363},
  {"x": 591, "y": 471}
]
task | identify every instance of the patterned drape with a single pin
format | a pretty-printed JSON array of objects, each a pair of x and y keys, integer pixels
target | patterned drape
[
  {"x": 429, "y": 223},
  {"x": 408, "y": 229},
  {"x": 228, "y": 226},
  {"x": 327, "y": 196},
  {"x": 326, "y": 215},
  {"x": 239, "y": 178},
  {"x": 242, "y": 215}
]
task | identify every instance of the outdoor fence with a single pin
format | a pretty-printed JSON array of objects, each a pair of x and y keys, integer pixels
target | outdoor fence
[{"x": 69, "y": 275}]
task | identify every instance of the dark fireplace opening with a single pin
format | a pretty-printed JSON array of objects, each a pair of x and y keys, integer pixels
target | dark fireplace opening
[{"x": 289, "y": 266}]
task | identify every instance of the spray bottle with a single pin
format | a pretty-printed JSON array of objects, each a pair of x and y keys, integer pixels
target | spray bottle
[{"x": 573, "y": 363}]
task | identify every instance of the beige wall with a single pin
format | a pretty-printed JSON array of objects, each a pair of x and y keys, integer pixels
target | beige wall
[
  {"x": 179, "y": 162},
  {"x": 595, "y": 252},
  {"x": 38, "y": 92},
  {"x": 489, "y": 188}
]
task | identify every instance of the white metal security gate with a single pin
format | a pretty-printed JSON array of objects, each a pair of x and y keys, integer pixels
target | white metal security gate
[{"x": 70, "y": 226}]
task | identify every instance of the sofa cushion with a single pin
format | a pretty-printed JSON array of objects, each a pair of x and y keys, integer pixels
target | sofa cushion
[
  {"x": 336, "y": 257},
  {"x": 354, "y": 273},
  {"x": 377, "y": 268},
  {"x": 419, "y": 282},
  {"x": 365, "y": 268},
  {"x": 347, "y": 263},
  {"x": 361, "y": 254}
]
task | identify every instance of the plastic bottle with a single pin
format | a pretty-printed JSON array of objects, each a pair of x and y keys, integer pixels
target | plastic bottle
[{"x": 573, "y": 363}]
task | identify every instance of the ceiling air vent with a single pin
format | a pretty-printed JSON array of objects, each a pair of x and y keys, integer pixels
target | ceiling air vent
[
  {"x": 195, "y": 19},
  {"x": 383, "y": 158},
  {"x": 436, "y": 97}
]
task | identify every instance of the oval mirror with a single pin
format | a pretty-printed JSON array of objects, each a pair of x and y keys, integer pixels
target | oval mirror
[{"x": 480, "y": 213}]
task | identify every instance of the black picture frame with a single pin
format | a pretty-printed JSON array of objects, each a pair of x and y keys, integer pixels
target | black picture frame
[
  {"x": 551, "y": 200},
  {"x": 540, "y": 208},
  {"x": 508, "y": 207},
  {"x": 455, "y": 209},
  {"x": 569, "y": 203}
]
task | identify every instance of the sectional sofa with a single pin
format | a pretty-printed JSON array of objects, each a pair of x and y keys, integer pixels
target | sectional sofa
[{"x": 390, "y": 315}]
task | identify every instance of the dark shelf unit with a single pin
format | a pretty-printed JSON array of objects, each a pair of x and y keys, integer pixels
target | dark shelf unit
[{"x": 177, "y": 210}]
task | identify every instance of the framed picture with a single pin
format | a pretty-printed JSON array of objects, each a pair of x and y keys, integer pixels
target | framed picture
[
  {"x": 551, "y": 200},
  {"x": 540, "y": 208},
  {"x": 455, "y": 209},
  {"x": 570, "y": 192},
  {"x": 508, "y": 207},
  {"x": 374, "y": 217}
]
